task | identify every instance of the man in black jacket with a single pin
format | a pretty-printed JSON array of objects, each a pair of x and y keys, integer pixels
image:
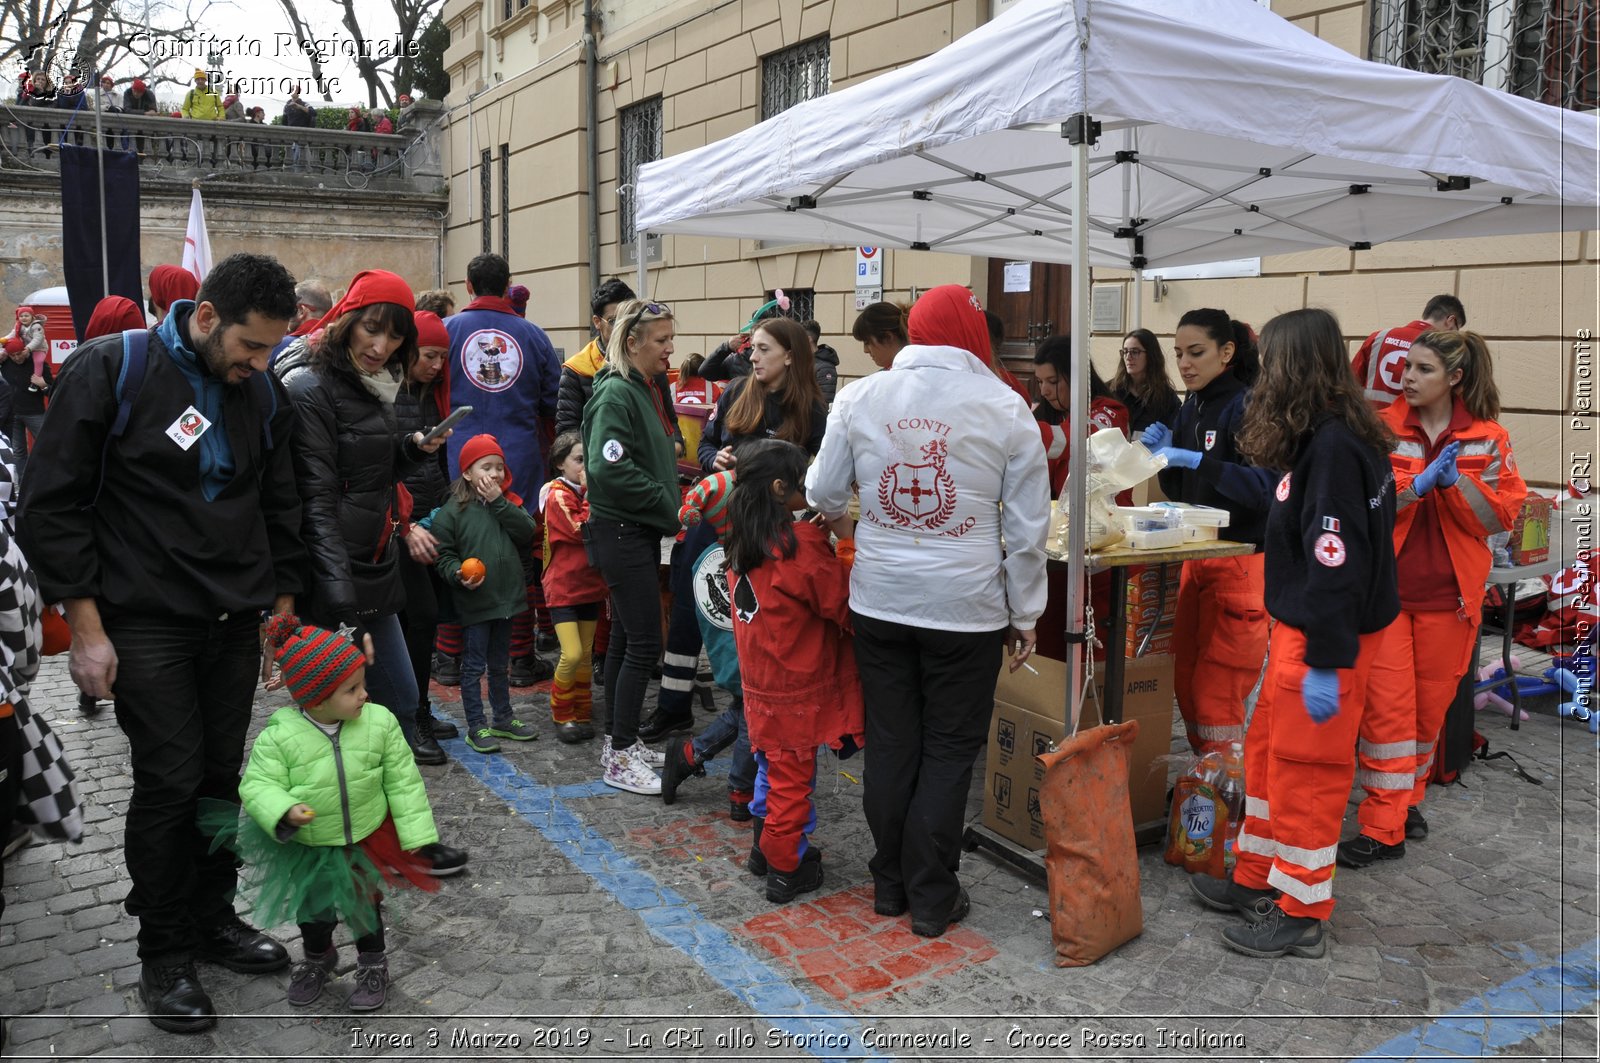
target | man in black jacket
[{"x": 193, "y": 530}]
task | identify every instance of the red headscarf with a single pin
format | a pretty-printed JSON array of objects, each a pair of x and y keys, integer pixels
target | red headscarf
[
  {"x": 431, "y": 333},
  {"x": 168, "y": 284},
  {"x": 369, "y": 288},
  {"x": 951, "y": 316},
  {"x": 114, "y": 313}
]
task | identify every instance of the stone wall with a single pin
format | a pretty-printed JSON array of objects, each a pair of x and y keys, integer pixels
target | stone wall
[{"x": 327, "y": 235}]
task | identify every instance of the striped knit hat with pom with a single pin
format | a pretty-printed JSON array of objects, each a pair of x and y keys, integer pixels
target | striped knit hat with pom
[{"x": 314, "y": 660}]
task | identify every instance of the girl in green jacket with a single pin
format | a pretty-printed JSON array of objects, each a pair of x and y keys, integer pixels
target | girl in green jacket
[
  {"x": 335, "y": 812},
  {"x": 483, "y": 535}
]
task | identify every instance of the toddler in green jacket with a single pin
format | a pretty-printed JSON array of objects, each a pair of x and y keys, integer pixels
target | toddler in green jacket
[
  {"x": 335, "y": 809},
  {"x": 484, "y": 535}
]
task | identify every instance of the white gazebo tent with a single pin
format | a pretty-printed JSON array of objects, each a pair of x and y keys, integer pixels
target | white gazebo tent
[{"x": 1136, "y": 133}]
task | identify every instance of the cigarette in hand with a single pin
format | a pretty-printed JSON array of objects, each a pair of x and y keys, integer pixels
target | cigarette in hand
[{"x": 1030, "y": 667}]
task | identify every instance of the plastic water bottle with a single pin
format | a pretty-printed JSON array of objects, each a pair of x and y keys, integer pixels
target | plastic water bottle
[{"x": 1230, "y": 796}]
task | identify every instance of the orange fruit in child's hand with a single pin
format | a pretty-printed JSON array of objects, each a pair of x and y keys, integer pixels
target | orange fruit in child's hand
[{"x": 472, "y": 569}]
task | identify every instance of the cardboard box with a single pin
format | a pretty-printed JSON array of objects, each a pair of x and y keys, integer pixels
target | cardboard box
[
  {"x": 1150, "y": 606},
  {"x": 1028, "y": 718},
  {"x": 1530, "y": 535}
]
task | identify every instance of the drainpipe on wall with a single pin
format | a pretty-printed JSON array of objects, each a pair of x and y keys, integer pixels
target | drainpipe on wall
[{"x": 591, "y": 74}]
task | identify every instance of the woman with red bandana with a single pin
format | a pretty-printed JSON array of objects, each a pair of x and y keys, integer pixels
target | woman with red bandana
[
  {"x": 168, "y": 284},
  {"x": 948, "y": 461},
  {"x": 349, "y": 454},
  {"x": 422, "y": 402}
]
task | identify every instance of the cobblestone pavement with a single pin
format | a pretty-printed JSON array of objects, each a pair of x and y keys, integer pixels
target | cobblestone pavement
[{"x": 597, "y": 924}]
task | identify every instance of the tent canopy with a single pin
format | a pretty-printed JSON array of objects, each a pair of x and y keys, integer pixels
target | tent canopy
[{"x": 1224, "y": 132}]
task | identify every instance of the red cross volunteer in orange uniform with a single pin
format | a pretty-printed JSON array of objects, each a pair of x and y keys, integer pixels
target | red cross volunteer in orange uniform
[
  {"x": 1458, "y": 484},
  {"x": 1330, "y": 585}
]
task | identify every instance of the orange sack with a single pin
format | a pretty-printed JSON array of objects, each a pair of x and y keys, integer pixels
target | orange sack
[{"x": 1090, "y": 853}]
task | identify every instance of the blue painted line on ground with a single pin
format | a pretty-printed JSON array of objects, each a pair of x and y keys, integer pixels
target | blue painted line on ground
[
  {"x": 667, "y": 914},
  {"x": 1532, "y": 1002}
]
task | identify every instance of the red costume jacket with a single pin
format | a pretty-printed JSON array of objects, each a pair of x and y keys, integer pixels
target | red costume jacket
[
  {"x": 568, "y": 578},
  {"x": 791, "y": 623}
]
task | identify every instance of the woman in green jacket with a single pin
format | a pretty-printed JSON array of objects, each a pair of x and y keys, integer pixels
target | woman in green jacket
[{"x": 631, "y": 465}]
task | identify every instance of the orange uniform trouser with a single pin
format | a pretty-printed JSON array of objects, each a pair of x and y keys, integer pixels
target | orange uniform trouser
[
  {"x": 1297, "y": 777},
  {"x": 1219, "y": 638},
  {"x": 1413, "y": 681}
]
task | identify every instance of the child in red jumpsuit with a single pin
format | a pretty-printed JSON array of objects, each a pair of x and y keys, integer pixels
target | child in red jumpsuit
[{"x": 791, "y": 608}]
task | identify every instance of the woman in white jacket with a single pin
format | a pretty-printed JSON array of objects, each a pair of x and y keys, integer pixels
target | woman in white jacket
[{"x": 948, "y": 461}]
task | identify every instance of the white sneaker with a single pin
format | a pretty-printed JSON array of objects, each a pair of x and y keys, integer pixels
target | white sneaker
[
  {"x": 647, "y": 755},
  {"x": 627, "y": 772},
  {"x": 607, "y": 754}
]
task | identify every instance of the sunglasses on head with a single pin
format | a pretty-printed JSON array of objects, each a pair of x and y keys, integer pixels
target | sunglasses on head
[{"x": 648, "y": 309}]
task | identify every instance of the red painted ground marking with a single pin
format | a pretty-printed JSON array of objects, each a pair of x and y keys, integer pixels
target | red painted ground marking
[
  {"x": 713, "y": 838},
  {"x": 857, "y": 956}
]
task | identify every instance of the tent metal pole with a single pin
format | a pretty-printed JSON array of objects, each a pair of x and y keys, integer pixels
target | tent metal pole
[
  {"x": 1078, "y": 422},
  {"x": 100, "y": 168}
]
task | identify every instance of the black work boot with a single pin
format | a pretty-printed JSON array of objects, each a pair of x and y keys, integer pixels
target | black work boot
[
  {"x": 756, "y": 864},
  {"x": 425, "y": 750},
  {"x": 1364, "y": 851},
  {"x": 1416, "y": 826},
  {"x": 1276, "y": 934},
  {"x": 174, "y": 998},
  {"x": 446, "y": 670},
  {"x": 785, "y": 886},
  {"x": 662, "y": 723},
  {"x": 529, "y": 670},
  {"x": 1225, "y": 895}
]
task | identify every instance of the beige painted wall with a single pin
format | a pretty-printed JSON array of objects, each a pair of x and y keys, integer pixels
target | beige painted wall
[
  {"x": 332, "y": 238},
  {"x": 1528, "y": 294}
]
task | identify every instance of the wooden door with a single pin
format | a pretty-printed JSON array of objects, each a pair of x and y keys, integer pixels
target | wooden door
[{"x": 1034, "y": 300}]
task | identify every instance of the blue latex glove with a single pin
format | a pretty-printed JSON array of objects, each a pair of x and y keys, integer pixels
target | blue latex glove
[
  {"x": 1441, "y": 472},
  {"x": 1320, "y": 692},
  {"x": 1156, "y": 436},
  {"x": 1186, "y": 459}
]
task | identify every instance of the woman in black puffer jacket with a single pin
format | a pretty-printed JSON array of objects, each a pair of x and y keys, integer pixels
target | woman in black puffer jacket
[
  {"x": 422, "y": 402},
  {"x": 349, "y": 453}
]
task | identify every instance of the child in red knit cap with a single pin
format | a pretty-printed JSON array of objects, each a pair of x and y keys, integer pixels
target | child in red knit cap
[
  {"x": 335, "y": 811},
  {"x": 483, "y": 533}
]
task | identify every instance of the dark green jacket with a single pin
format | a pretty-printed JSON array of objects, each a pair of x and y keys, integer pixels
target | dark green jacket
[
  {"x": 628, "y": 455},
  {"x": 498, "y": 534}
]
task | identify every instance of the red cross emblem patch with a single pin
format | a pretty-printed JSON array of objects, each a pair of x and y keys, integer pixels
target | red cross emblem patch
[
  {"x": 1283, "y": 488},
  {"x": 1329, "y": 550}
]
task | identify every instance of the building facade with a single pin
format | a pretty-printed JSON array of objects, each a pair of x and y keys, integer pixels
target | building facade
[{"x": 527, "y": 178}]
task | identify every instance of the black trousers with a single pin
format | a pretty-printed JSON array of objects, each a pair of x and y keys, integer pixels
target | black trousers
[
  {"x": 629, "y": 556},
  {"x": 183, "y": 694},
  {"x": 420, "y": 621},
  {"x": 930, "y": 695}
]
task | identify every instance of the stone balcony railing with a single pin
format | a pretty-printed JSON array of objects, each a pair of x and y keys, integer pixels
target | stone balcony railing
[{"x": 184, "y": 150}]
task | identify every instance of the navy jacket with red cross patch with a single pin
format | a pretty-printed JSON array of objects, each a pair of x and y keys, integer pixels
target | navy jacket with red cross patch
[
  {"x": 1208, "y": 422},
  {"x": 1330, "y": 545}
]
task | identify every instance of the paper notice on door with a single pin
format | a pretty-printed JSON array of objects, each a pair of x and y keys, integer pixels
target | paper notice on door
[{"x": 1018, "y": 276}]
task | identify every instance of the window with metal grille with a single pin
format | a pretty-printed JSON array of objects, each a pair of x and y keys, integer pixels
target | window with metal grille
[
  {"x": 1542, "y": 49},
  {"x": 794, "y": 75},
  {"x": 638, "y": 142},
  {"x": 505, "y": 201},
  {"x": 802, "y": 303},
  {"x": 486, "y": 179}
]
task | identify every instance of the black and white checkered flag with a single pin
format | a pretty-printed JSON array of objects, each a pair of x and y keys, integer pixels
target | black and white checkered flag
[{"x": 48, "y": 799}]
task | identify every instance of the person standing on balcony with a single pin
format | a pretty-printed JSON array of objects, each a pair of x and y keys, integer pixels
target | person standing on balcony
[
  {"x": 137, "y": 99},
  {"x": 298, "y": 114}
]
